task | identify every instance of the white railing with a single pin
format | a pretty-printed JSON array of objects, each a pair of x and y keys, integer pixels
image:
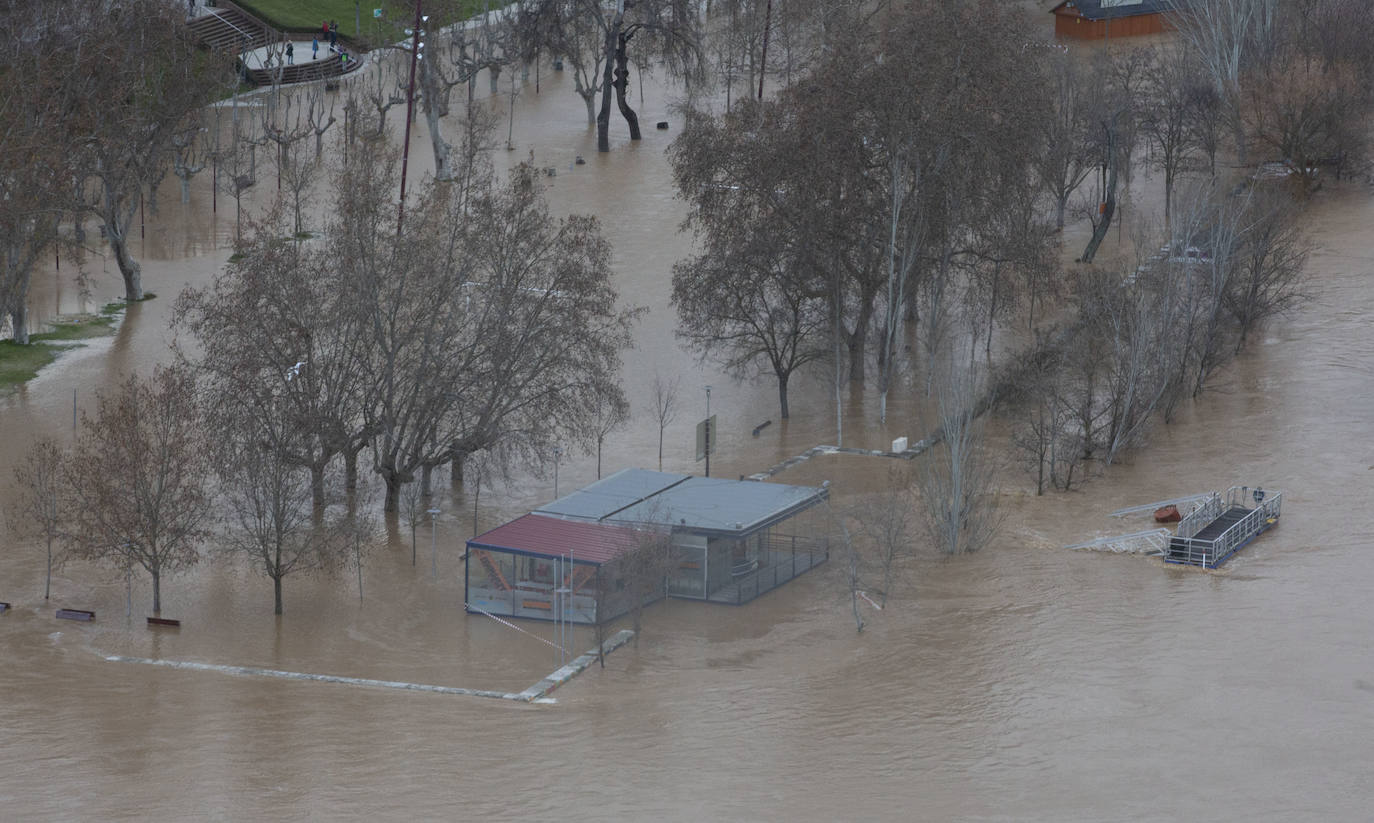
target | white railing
[
  {"x": 1203, "y": 513},
  {"x": 1207, "y": 553}
]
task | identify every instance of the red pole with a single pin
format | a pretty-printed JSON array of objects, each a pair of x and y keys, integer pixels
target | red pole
[{"x": 410, "y": 111}]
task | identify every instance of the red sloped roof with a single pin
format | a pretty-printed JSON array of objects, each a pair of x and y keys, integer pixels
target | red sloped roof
[{"x": 555, "y": 537}]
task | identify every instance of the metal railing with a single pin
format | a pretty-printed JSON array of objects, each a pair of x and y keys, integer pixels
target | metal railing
[
  {"x": 1208, "y": 553},
  {"x": 1209, "y": 509},
  {"x": 1150, "y": 541},
  {"x": 785, "y": 558}
]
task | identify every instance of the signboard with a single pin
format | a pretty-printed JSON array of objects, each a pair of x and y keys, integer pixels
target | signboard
[
  {"x": 704, "y": 431},
  {"x": 377, "y": 13}
]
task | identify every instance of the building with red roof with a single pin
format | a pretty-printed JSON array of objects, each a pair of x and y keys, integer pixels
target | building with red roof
[{"x": 720, "y": 540}]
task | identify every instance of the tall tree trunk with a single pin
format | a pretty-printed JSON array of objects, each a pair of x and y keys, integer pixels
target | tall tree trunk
[
  {"x": 1109, "y": 202},
  {"x": 157, "y": 591},
  {"x": 19, "y": 318},
  {"x": 433, "y": 111},
  {"x": 317, "y": 486},
  {"x": 622, "y": 80},
  {"x": 129, "y": 268},
  {"x": 276, "y": 590},
  {"x": 456, "y": 470},
  {"x": 782, "y": 394},
  {"x": 393, "y": 492},
  {"x": 603, "y": 117},
  {"x": 351, "y": 468}
]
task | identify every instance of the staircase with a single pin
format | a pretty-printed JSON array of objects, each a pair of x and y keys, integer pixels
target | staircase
[
  {"x": 484, "y": 557},
  {"x": 582, "y": 574},
  {"x": 308, "y": 71},
  {"x": 228, "y": 29}
]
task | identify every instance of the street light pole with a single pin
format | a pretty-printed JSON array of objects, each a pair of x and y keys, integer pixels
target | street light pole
[
  {"x": 410, "y": 114},
  {"x": 708, "y": 430},
  {"x": 433, "y": 557},
  {"x": 557, "y": 451}
]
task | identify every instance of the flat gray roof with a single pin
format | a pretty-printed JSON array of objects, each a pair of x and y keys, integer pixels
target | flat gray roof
[
  {"x": 611, "y": 494},
  {"x": 693, "y": 503}
]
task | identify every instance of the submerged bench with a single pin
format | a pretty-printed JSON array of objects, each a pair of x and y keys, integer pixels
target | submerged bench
[
  {"x": 75, "y": 614},
  {"x": 164, "y": 621}
]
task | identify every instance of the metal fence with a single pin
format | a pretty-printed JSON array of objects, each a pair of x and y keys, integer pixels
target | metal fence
[
  {"x": 785, "y": 558},
  {"x": 1209, "y": 553}
]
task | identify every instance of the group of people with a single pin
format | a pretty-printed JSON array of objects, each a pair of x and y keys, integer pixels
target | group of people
[{"x": 328, "y": 31}]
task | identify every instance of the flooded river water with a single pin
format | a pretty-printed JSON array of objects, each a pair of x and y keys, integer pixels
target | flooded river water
[{"x": 1024, "y": 682}]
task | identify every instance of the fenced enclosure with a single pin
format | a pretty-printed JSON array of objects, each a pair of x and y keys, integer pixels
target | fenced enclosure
[{"x": 1221, "y": 525}]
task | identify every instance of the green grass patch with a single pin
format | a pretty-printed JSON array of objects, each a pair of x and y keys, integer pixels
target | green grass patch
[
  {"x": 305, "y": 16},
  {"x": 20, "y": 364},
  {"x": 76, "y": 328}
]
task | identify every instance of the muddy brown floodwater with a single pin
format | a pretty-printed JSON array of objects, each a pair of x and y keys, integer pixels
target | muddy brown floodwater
[{"x": 1025, "y": 682}]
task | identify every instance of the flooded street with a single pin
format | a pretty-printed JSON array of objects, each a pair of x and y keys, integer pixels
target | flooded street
[{"x": 1023, "y": 682}]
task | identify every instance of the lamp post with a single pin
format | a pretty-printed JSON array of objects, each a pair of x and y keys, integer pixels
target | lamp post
[
  {"x": 708, "y": 429},
  {"x": 557, "y": 451},
  {"x": 410, "y": 113},
  {"x": 433, "y": 558}
]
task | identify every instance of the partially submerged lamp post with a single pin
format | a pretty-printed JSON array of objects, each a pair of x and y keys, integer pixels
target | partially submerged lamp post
[
  {"x": 433, "y": 558},
  {"x": 557, "y": 450},
  {"x": 708, "y": 430}
]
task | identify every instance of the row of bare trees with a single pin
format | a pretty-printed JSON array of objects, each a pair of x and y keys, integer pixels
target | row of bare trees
[
  {"x": 98, "y": 101},
  {"x": 481, "y": 329},
  {"x": 1152, "y": 330},
  {"x": 876, "y": 208}
]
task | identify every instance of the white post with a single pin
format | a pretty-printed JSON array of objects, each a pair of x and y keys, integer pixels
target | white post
[{"x": 433, "y": 557}]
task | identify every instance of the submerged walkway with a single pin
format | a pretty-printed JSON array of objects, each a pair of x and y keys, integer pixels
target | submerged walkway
[
  {"x": 534, "y": 694},
  {"x": 815, "y": 451}
]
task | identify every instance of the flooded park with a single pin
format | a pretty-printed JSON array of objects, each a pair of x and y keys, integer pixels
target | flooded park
[{"x": 1024, "y": 681}]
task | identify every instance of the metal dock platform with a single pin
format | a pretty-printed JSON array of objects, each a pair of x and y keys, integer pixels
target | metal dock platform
[{"x": 1220, "y": 525}]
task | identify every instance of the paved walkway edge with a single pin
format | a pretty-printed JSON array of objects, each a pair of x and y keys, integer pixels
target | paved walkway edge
[{"x": 573, "y": 669}]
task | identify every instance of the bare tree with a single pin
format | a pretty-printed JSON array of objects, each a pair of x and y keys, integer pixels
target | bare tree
[
  {"x": 1269, "y": 267},
  {"x": 665, "y": 407},
  {"x": 595, "y": 38},
  {"x": 152, "y": 66},
  {"x": 270, "y": 512},
  {"x": 642, "y": 573},
  {"x": 412, "y": 506},
  {"x": 887, "y": 522},
  {"x": 956, "y": 478},
  {"x": 278, "y": 345},
  {"x": 609, "y": 413},
  {"x": 1066, "y": 155},
  {"x": 188, "y": 157},
  {"x": 41, "y": 504},
  {"x": 743, "y": 304},
  {"x": 316, "y": 114},
  {"x": 1227, "y": 36},
  {"x": 43, "y": 110},
  {"x": 1167, "y": 117},
  {"x": 137, "y": 477},
  {"x": 357, "y": 531}
]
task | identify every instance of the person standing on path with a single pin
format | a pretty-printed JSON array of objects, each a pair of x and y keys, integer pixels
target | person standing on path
[
  {"x": 290, "y": 53},
  {"x": 315, "y": 49},
  {"x": 333, "y": 34}
]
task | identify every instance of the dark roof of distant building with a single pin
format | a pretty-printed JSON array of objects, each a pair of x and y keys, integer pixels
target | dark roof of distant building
[
  {"x": 536, "y": 534},
  {"x": 1100, "y": 10}
]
